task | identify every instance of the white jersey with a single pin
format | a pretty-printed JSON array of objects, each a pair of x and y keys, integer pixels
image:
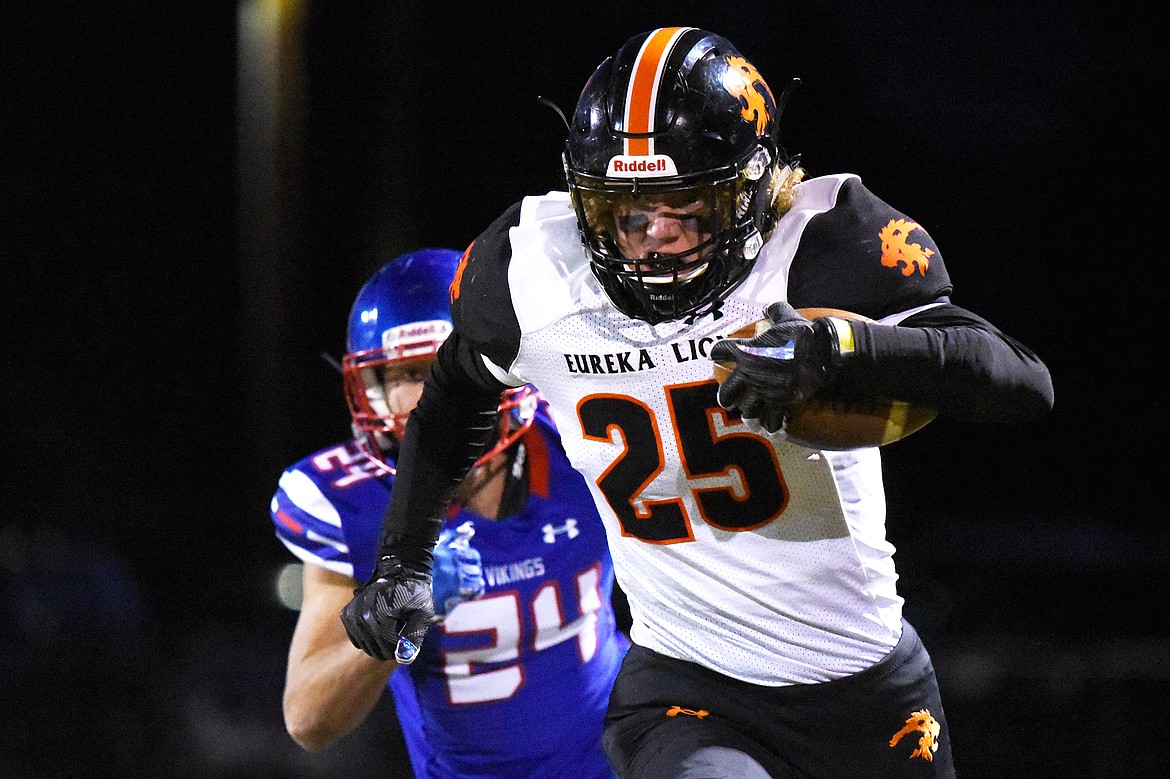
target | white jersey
[{"x": 738, "y": 550}]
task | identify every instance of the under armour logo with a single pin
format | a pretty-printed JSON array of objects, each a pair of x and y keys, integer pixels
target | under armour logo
[
  {"x": 674, "y": 711},
  {"x": 569, "y": 529}
]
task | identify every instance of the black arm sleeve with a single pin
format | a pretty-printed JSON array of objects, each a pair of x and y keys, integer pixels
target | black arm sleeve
[
  {"x": 452, "y": 425},
  {"x": 951, "y": 360}
]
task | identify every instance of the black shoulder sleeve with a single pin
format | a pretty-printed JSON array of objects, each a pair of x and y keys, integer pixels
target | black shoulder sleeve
[
  {"x": 481, "y": 300},
  {"x": 949, "y": 359},
  {"x": 864, "y": 256},
  {"x": 452, "y": 425},
  {"x": 454, "y": 421}
]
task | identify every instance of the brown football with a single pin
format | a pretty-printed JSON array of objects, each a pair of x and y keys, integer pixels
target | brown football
[{"x": 836, "y": 425}]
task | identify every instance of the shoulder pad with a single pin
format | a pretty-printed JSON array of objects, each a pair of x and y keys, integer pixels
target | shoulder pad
[
  {"x": 864, "y": 256},
  {"x": 481, "y": 300}
]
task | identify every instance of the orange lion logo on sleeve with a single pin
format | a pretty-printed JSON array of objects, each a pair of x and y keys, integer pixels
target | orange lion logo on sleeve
[
  {"x": 920, "y": 722},
  {"x": 897, "y": 250}
]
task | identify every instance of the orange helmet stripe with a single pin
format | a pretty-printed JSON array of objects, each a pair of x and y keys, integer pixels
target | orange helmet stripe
[{"x": 642, "y": 97}]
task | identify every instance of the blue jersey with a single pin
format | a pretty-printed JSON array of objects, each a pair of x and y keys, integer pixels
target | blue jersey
[{"x": 515, "y": 683}]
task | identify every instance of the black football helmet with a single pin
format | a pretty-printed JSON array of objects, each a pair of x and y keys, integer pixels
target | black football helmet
[{"x": 677, "y": 115}]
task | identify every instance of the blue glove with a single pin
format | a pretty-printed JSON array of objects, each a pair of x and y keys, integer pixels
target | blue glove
[{"x": 458, "y": 571}]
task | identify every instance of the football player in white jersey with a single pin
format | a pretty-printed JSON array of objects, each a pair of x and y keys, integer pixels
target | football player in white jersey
[
  {"x": 515, "y": 680},
  {"x": 768, "y": 632}
]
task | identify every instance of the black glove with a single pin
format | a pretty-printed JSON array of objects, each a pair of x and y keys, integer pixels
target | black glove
[
  {"x": 779, "y": 368},
  {"x": 391, "y": 613}
]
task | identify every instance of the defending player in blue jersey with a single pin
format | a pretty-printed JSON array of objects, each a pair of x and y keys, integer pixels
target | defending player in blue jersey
[{"x": 512, "y": 683}]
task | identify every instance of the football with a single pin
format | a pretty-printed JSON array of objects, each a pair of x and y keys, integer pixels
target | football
[{"x": 819, "y": 423}]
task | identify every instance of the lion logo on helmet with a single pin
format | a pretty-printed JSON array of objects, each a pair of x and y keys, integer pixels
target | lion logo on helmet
[{"x": 743, "y": 81}]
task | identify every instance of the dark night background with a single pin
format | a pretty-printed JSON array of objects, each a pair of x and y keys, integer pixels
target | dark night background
[{"x": 177, "y": 257}]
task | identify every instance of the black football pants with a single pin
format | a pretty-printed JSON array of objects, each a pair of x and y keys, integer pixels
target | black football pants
[{"x": 670, "y": 719}]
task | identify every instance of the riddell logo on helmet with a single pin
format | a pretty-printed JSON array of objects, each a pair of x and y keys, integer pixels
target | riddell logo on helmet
[
  {"x": 629, "y": 166},
  {"x": 415, "y": 338}
]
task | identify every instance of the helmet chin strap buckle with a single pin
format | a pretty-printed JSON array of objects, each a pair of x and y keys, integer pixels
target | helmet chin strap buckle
[
  {"x": 752, "y": 245},
  {"x": 757, "y": 165}
]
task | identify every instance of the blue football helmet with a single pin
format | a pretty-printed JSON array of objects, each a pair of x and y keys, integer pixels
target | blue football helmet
[{"x": 400, "y": 317}]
